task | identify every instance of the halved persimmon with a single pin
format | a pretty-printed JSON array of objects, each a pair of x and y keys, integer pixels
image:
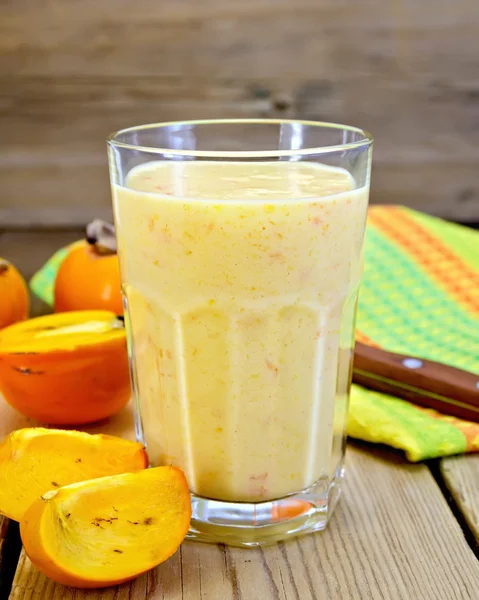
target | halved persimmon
[
  {"x": 106, "y": 531},
  {"x": 14, "y": 300},
  {"x": 35, "y": 460},
  {"x": 89, "y": 277},
  {"x": 66, "y": 369}
]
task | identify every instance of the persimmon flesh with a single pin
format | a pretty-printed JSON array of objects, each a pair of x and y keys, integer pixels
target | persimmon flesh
[{"x": 35, "y": 460}]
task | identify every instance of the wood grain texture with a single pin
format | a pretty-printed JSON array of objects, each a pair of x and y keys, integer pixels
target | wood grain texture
[
  {"x": 393, "y": 537},
  {"x": 73, "y": 72},
  {"x": 55, "y": 168},
  {"x": 240, "y": 38},
  {"x": 462, "y": 479}
]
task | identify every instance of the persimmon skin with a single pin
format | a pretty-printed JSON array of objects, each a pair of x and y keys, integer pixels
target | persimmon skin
[
  {"x": 88, "y": 280},
  {"x": 57, "y": 389},
  {"x": 14, "y": 299},
  {"x": 70, "y": 385},
  {"x": 35, "y": 460},
  {"x": 49, "y": 547}
]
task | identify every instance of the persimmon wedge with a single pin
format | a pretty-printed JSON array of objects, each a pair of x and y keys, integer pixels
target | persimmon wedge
[
  {"x": 36, "y": 460},
  {"x": 66, "y": 369},
  {"x": 106, "y": 531}
]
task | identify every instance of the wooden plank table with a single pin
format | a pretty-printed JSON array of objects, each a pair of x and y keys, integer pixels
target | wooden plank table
[{"x": 394, "y": 535}]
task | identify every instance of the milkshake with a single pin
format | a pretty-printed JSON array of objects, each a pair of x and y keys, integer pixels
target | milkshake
[{"x": 240, "y": 282}]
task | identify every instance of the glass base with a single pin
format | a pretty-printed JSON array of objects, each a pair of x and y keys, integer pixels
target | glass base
[{"x": 261, "y": 524}]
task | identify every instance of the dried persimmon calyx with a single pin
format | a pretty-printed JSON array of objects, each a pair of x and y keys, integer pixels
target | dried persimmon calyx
[{"x": 101, "y": 235}]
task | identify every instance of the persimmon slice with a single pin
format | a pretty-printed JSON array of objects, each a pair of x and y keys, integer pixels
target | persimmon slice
[
  {"x": 106, "y": 531},
  {"x": 35, "y": 460}
]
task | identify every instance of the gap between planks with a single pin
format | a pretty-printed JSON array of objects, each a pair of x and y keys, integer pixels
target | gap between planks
[
  {"x": 461, "y": 481},
  {"x": 10, "y": 548}
]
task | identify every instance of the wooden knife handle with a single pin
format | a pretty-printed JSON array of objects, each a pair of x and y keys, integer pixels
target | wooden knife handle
[{"x": 426, "y": 383}]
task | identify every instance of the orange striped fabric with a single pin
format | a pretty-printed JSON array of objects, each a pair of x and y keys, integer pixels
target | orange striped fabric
[{"x": 440, "y": 262}]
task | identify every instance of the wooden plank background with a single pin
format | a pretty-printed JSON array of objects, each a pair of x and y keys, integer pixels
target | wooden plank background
[{"x": 71, "y": 72}]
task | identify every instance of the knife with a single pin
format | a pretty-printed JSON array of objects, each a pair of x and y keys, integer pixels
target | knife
[{"x": 427, "y": 383}]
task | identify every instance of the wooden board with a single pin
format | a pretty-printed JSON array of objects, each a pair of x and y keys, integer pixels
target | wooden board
[
  {"x": 73, "y": 72},
  {"x": 393, "y": 538},
  {"x": 461, "y": 475},
  {"x": 241, "y": 38}
]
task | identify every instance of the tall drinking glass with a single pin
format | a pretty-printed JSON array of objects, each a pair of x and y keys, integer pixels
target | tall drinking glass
[{"x": 241, "y": 250}]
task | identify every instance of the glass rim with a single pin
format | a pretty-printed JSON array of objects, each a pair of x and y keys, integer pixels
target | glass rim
[{"x": 364, "y": 142}]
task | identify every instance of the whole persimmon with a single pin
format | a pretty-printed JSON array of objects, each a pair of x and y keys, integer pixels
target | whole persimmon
[
  {"x": 89, "y": 276},
  {"x": 14, "y": 302}
]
